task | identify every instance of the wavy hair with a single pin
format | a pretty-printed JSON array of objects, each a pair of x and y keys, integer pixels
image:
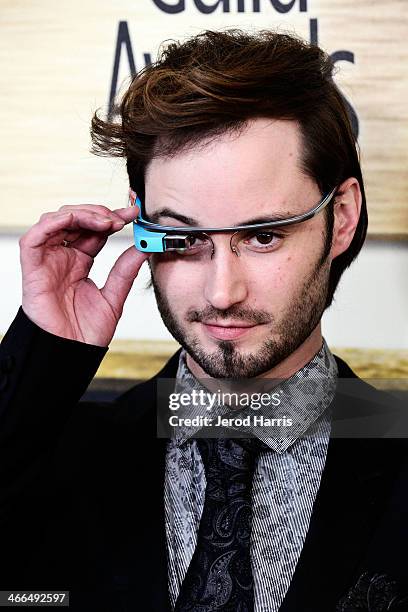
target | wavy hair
[{"x": 217, "y": 81}]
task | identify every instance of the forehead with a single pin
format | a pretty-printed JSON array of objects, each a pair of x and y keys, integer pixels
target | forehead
[{"x": 236, "y": 176}]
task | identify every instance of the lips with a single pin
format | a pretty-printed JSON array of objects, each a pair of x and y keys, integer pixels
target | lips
[{"x": 227, "y": 331}]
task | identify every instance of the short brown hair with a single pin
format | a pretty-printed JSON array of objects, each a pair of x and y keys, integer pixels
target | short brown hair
[{"x": 216, "y": 82}]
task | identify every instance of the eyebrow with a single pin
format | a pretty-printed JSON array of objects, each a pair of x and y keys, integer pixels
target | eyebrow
[{"x": 168, "y": 212}]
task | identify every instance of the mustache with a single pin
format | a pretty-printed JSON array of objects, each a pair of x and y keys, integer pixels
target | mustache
[{"x": 236, "y": 313}]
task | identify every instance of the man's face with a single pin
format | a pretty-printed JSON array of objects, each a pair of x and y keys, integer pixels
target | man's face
[{"x": 239, "y": 317}]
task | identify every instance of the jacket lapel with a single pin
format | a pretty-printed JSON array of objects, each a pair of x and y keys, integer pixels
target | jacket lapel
[
  {"x": 347, "y": 507},
  {"x": 355, "y": 486},
  {"x": 139, "y": 405}
]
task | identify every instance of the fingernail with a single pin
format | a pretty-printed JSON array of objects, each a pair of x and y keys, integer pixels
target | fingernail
[
  {"x": 132, "y": 197},
  {"x": 131, "y": 207}
]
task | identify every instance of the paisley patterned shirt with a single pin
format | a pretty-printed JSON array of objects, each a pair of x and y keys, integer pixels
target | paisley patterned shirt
[{"x": 285, "y": 484}]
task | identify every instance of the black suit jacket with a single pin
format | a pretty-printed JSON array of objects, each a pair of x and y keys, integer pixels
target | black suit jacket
[{"x": 81, "y": 488}]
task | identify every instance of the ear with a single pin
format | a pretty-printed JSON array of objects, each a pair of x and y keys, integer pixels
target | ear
[{"x": 347, "y": 207}]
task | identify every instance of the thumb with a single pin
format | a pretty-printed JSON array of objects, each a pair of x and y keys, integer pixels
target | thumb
[{"x": 121, "y": 277}]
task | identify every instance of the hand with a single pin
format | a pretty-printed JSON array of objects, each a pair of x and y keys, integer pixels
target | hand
[{"x": 56, "y": 256}]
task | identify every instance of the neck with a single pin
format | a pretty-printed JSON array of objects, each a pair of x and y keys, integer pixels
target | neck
[{"x": 286, "y": 368}]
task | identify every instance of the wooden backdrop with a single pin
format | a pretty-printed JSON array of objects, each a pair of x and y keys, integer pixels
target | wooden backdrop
[{"x": 57, "y": 65}]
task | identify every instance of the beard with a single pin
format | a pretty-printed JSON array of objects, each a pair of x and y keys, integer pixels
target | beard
[{"x": 227, "y": 361}]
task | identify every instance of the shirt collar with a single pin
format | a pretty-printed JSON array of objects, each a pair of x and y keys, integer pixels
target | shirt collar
[{"x": 304, "y": 398}]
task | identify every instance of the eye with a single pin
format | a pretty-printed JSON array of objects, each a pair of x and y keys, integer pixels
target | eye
[
  {"x": 262, "y": 241},
  {"x": 197, "y": 243}
]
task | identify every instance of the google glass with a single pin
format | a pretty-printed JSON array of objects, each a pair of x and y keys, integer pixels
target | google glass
[{"x": 155, "y": 238}]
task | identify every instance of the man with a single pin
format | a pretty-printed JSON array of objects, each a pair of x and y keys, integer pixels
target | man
[{"x": 226, "y": 130}]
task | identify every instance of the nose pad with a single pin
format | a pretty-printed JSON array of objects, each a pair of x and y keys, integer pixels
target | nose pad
[
  {"x": 234, "y": 246},
  {"x": 207, "y": 236}
]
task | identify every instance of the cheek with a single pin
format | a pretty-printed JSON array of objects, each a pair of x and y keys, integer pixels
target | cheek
[
  {"x": 179, "y": 282},
  {"x": 281, "y": 277},
  {"x": 302, "y": 259}
]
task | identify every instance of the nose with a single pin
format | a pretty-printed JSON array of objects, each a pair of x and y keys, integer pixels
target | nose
[{"x": 225, "y": 283}]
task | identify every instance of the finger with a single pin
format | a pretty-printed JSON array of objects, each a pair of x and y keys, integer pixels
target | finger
[
  {"x": 121, "y": 278},
  {"x": 97, "y": 209},
  {"x": 126, "y": 214},
  {"x": 40, "y": 233},
  {"x": 84, "y": 219},
  {"x": 92, "y": 244},
  {"x": 61, "y": 236},
  {"x": 87, "y": 242}
]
